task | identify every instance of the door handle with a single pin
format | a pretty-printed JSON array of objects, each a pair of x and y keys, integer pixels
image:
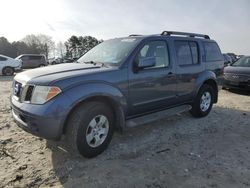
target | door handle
[{"x": 170, "y": 73}]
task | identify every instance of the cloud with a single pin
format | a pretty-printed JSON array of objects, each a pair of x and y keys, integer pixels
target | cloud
[{"x": 226, "y": 21}]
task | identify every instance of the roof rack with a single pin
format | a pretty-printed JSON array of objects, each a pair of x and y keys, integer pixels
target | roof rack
[{"x": 169, "y": 33}]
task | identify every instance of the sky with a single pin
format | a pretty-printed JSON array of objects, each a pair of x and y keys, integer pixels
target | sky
[{"x": 226, "y": 21}]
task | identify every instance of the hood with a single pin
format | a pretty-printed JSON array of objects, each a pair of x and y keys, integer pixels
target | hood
[
  {"x": 45, "y": 75},
  {"x": 237, "y": 70}
]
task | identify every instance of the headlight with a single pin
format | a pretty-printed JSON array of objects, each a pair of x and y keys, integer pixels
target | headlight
[{"x": 42, "y": 94}]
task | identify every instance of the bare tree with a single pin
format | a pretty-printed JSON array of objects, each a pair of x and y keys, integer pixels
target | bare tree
[
  {"x": 41, "y": 43},
  {"x": 60, "y": 49}
]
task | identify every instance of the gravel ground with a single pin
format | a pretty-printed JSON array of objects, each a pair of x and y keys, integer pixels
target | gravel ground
[{"x": 179, "y": 151}]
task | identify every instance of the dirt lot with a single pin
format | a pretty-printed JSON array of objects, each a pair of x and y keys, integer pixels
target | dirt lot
[{"x": 176, "y": 152}]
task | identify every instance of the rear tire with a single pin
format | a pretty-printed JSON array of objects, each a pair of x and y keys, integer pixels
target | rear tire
[
  {"x": 8, "y": 71},
  {"x": 90, "y": 128},
  {"x": 203, "y": 102}
]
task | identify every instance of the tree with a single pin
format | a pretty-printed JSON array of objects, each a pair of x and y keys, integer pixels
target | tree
[
  {"x": 6, "y": 48},
  {"x": 60, "y": 49},
  {"x": 77, "y": 46},
  {"x": 41, "y": 44}
]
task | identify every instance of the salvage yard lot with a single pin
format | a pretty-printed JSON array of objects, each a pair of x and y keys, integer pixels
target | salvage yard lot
[{"x": 179, "y": 151}]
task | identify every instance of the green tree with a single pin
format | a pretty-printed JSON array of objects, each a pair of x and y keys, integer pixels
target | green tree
[
  {"x": 6, "y": 48},
  {"x": 77, "y": 46}
]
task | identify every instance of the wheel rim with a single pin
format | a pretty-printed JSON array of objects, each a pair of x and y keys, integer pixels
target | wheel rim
[
  {"x": 42, "y": 66},
  {"x": 8, "y": 71},
  {"x": 97, "y": 131},
  {"x": 205, "y": 101}
]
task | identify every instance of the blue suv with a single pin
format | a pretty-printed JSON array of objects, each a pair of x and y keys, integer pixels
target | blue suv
[{"x": 120, "y": 83}]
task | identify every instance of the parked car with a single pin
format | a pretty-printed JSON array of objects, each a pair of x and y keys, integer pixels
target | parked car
[
  {"x": 9, "y": 65},
  {"x": 32, "y": 60},
  {"x": 227, "y": 60},
  {"x": 68, "y": 60},
  {"x": 122, "y": 82},
  {"x": 56, "y": 61},
  {"x": 233, "y": 56},
  {"x": 237, "y": 76}
]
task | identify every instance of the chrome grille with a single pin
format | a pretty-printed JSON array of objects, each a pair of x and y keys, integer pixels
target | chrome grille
[
  {"x": 22, "y": 93},
  {"x": 237, "y": 77}
]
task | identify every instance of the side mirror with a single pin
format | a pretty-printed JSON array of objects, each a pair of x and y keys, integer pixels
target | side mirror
[{"x": 146, "y": 62}]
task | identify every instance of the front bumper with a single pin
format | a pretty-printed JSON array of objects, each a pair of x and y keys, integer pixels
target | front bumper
[
  {"x": 38, "y": 126},
  {"x": 236, "y": 85},
  {"x": 36, "y": 120},
  {"x": 18, "y": 69}
]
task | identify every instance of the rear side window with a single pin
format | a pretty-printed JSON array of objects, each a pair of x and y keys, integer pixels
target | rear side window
[
  {"x": 35, "y": 57},
  {"x": 3, "y": 58},
  {"x": 187, "y": 52},
  {"x": 212, "y": 52}
]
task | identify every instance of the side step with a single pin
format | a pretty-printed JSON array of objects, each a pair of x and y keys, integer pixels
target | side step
[{"x": 157, "y": 116}]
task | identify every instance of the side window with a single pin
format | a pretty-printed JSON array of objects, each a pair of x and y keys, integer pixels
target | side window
[
  {"x": 35, "y": 57},
  {"x": 187, "y": 52},
  {"x": 212, "y": 52},
  {"x": 3, "y": 58},
  {"x": 157, "y": 49},
  {"x": 183, "y": 52},
  {"x": 25, "y": 58}
]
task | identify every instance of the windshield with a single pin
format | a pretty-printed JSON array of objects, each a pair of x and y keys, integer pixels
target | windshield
[
  {"x": 242, "y": 62},
  {"x": 112, "y": 51}
]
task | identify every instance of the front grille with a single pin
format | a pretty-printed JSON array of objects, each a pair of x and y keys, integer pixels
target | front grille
[
  {"x": 28, "y": 93},
  {"x": 237, "y": 77},
  {"x": 22, "y": 93}
]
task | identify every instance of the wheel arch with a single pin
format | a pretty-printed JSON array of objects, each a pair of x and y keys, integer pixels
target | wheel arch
[
  {"x": 212, "y": 82},
  {"x": 114, "y": 105}
]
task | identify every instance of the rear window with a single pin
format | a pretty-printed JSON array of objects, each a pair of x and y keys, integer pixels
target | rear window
[{"x": 212, "y": 52}]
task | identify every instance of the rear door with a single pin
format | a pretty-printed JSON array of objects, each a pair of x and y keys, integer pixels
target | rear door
[
  {"x": 154, "y": 87},
  {"x": 188, "y": 67}
]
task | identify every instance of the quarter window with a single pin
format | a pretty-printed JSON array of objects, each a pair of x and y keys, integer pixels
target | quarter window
[
  {"x": 212, "y": 52},
  {"x": 157, "y": 49}
]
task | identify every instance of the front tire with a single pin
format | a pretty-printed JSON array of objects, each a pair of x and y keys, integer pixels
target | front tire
[
  {"x": 90, "y": 129},
  {"x": 8, "y": 71},
  {"x": 203, "y": 102}
]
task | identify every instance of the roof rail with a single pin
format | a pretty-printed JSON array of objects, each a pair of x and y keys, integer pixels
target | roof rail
[
  {"x": 134, "y": 35},
  {"x": 169, "y": 33}
]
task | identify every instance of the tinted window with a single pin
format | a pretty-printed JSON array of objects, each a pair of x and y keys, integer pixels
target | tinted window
[
  {"x": 3, "y": 58},
  {"x": 157, "y": 49},
  {"x": 183, "y": 52},
  {"x": 35, "y": 57},
  {"x": 212, "y": 51},
  {"x": 187, "y": 52}
]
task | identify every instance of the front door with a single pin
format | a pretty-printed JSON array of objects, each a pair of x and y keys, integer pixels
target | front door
[{"x": 154, "y": 87}]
